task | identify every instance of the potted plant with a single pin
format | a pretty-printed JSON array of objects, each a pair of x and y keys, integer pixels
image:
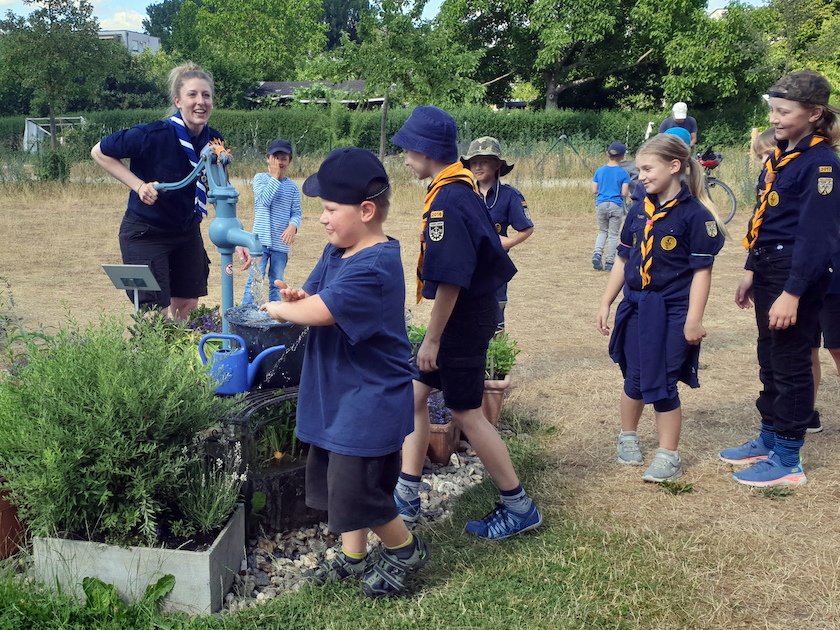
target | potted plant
[
  {"x": 105, "y": 442},
  {"x": 444, "y": 435},
  {"x": 501, "y": 357}
]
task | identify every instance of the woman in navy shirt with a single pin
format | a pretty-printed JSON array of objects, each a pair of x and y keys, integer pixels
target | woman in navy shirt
[{"x": 162, "y": 229}]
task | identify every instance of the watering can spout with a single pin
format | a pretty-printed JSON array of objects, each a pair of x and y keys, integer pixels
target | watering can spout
[{"x": 252, "y": 368}]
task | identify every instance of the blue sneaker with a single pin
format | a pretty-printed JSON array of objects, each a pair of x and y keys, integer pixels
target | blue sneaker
[
  {"x": 752, "y": 451},
  {"x": 502, "y": 523},
  {"x": 408, "y": 510},
  {"x": 770, "y": 472},
  {"x": 597, "y": 262}
]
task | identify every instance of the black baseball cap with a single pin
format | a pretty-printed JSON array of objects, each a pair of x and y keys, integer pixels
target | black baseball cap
[
  {"x": 344, "y": 177},
  {"x": 279, "y": 146}
]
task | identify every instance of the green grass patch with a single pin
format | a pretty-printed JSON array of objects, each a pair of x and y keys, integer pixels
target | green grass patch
[{"x": 564, "y": 575}]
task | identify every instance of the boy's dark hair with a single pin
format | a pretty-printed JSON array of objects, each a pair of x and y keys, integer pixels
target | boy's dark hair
[{"x": 382, "y": 201}]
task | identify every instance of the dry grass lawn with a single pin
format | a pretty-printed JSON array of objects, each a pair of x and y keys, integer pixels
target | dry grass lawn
[{"x": 753, "y": 561}]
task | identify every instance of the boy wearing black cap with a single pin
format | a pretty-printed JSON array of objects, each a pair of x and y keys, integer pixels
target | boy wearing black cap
[
  {"x": 462, "y": 264},
  {"x": 277, "y": 216},
  {"x": 610, "y": 185},
  {"x": 355, "y": 400}
]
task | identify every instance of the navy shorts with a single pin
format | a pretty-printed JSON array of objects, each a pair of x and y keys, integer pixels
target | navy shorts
[
  {"x": 177, "y": 259},
  {"x": 356, "y": 492},
  {"x": 829, "y": 323},
  {"x": 462, "y": 357}
]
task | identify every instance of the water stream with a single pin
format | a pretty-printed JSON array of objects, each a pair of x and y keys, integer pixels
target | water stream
[
  {"x": 257, "y": 281},
  {"x": 289, "y": 348}
]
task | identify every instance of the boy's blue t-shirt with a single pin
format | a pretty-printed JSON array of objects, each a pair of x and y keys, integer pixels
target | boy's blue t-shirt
[
  {"x": 356, "y": 394},
  {"x": 610, "y": 179}
]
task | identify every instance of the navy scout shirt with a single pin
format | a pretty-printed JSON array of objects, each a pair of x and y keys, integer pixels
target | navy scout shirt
[
  {"x": 356, "y": 395},
  {"x": 507, "y": 209},
  {"x": 462, "y": 245},
  {"x": 804, "y": 213},
  {"x": 687, "y": 238},
  {"x": 157, "y": 156}
]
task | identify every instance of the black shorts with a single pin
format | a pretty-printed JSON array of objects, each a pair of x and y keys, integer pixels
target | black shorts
[
  {"x": 177, "y": 259},
  {"x": 462, "y": 357},
  {"x": 829, "y": 323},
  {"x": 356, "y": 492}
]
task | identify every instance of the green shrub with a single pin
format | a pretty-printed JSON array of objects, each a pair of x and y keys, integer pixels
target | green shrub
[
  {"x": 501, "y": 356},
  {"x": 97, "y": 429},
  {"x": 53, "y": 166}
]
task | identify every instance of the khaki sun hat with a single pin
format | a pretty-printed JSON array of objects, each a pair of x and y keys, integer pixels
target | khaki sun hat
[
  {"x": 489, "y": 147},
  {"x": 805, "y": 86}
]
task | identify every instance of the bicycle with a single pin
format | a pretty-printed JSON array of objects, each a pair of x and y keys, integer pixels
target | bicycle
[{"x": 720, "y": 194}]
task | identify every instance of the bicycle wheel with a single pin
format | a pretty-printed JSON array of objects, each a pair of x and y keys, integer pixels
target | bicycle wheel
[{"x": 723, "y": 198}]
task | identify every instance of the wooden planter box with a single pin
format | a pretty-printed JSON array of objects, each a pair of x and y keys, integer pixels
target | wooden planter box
[
  {"x": 11, "y": 529},
  {"x": 202, "y": 578},
  {"x": 443, "y": 441},
  {"x": 494, "y": 397}
]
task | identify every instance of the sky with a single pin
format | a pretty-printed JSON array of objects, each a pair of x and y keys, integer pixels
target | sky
[{"x": 128, "y": 14}]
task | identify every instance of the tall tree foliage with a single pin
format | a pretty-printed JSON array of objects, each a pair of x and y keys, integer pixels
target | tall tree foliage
[
  {"x": 343, "y": 16},
  {"x": 55, "y": 51},
  {"x": 160, "y": 20}
]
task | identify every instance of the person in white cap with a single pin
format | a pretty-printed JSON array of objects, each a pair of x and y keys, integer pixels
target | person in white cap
[{"x": 680, "y": 119}]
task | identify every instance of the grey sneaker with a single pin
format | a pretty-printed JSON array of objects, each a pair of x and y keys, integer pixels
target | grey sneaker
[
  {"x": 664, "y": 467},
  {"x": 628, "y": 449}
]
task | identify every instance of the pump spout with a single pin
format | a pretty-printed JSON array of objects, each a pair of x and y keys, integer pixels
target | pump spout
[{"x": 227, "y": 234}]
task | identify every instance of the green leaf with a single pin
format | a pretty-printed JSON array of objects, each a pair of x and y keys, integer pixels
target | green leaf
[
  {"x": 160, "y": 589},
  {"x": 257, "y": 502},
  {"x": 101, "y": 597}
]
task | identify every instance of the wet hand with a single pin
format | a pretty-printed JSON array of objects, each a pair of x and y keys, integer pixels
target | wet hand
[
  {"x": 244, "y": 256},
  {"x": 147, "y": 193},
  {"x": 273, "y": 309}
]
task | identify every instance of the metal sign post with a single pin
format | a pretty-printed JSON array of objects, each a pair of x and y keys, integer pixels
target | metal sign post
[{"x": 132, "y": 277}]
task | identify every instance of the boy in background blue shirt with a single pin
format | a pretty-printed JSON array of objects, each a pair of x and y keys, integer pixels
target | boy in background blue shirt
[
  {"x": 610, "y": 185},
  {"x": 355, "y": 402},
  {"x": 277, "y": 215}
]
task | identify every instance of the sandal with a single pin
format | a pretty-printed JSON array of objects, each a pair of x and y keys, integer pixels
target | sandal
[
  {"x": 388, "y": 575},
  {"x": 339, "y": 568}
]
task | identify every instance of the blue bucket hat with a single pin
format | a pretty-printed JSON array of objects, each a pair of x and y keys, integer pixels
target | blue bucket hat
[{"x": 430, "y": 131}]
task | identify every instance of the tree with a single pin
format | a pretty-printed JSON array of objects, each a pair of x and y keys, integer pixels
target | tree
[
  {"x": 343, "y": 16},
  {"x": 56, "y": 51},
  {"x": 401, "y": 56},
  {"x": 161, "y": 20}
]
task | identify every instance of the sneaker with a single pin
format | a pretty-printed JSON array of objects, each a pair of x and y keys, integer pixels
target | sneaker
[
  {"x": 502, "y": 523},
  {"x": 387, "y": 577},
  {"x": 628, "y": 450},
  {"x": 339, "y": 568},
  {"x": 815, "y": 426},
  {"x": 770, "y": 472},
  {"x": 608, "y": 267},
  {"x": 664, "y": 467},
  {"x": 408, "y": 510},
  {"x": 752, "y": 451},
  {"x": 597, "y": 265}
]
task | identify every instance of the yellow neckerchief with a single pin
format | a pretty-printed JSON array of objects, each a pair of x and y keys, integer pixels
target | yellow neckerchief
[
  {"x": 775, "y": 164},
  {"x": 647, "y": 244},
  {"x": 452, "y": 173}
]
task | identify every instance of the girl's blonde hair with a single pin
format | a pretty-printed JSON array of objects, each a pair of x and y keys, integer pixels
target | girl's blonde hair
[
  {"x": 179, "y": 74},
  {"x": 668, "y": 147},
  {"x": 828, "y": 127},
  {"x": 764, "y": 143}
]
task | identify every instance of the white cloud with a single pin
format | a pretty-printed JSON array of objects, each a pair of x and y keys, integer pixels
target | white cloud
[{"x": 122, "y": 20}]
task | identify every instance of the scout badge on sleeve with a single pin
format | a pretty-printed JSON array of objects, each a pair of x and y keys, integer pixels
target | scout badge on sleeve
[
  {"x": 711, "y": 228},
  {"x": 825, "y": 185},
  {"x": 436, "y": 231}
]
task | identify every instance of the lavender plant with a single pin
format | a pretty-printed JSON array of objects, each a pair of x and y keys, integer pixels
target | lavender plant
[{"x": 439, "y": 413}]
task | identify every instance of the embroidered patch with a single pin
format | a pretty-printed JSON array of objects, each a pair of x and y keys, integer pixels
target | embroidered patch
[
  {"x": 634, "y": 240},
  {"x": 825, "y": 185},
  {"x": 773, "y": 198},
  {"x": 524, "y": 204},
  {"x": 498, "y": 228},
  {"x": 668, "y": 243},
  {"x": 825, "y": 169},
  {"x": 711, "y": 228},
  {"x": 436, "y": 214},
  {"x": 526, "y": 213},
  {"x": 436, "y": 231}
]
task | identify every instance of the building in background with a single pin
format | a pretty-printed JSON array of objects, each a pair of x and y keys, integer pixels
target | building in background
[{"x": 135, "y": 42}]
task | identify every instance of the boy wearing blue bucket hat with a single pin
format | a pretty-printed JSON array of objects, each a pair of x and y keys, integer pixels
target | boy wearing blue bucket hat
[
  {"x": 355, "y": 400},
  {"x": 462, "y": 263}
]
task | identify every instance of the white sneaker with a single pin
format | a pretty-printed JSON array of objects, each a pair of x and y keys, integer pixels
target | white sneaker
[
  {"x": 628, "y": 449},
  {"x": 664, "y": 467}
]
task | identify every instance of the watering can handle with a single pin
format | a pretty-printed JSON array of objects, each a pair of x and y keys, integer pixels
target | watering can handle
[{"x": 236, "y": 338}]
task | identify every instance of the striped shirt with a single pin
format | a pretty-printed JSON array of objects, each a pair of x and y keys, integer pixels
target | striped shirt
[{"x": 276, "y": 205}]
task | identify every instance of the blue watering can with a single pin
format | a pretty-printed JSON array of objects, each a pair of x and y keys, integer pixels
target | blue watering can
[{"x": 230, "y": 367}]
